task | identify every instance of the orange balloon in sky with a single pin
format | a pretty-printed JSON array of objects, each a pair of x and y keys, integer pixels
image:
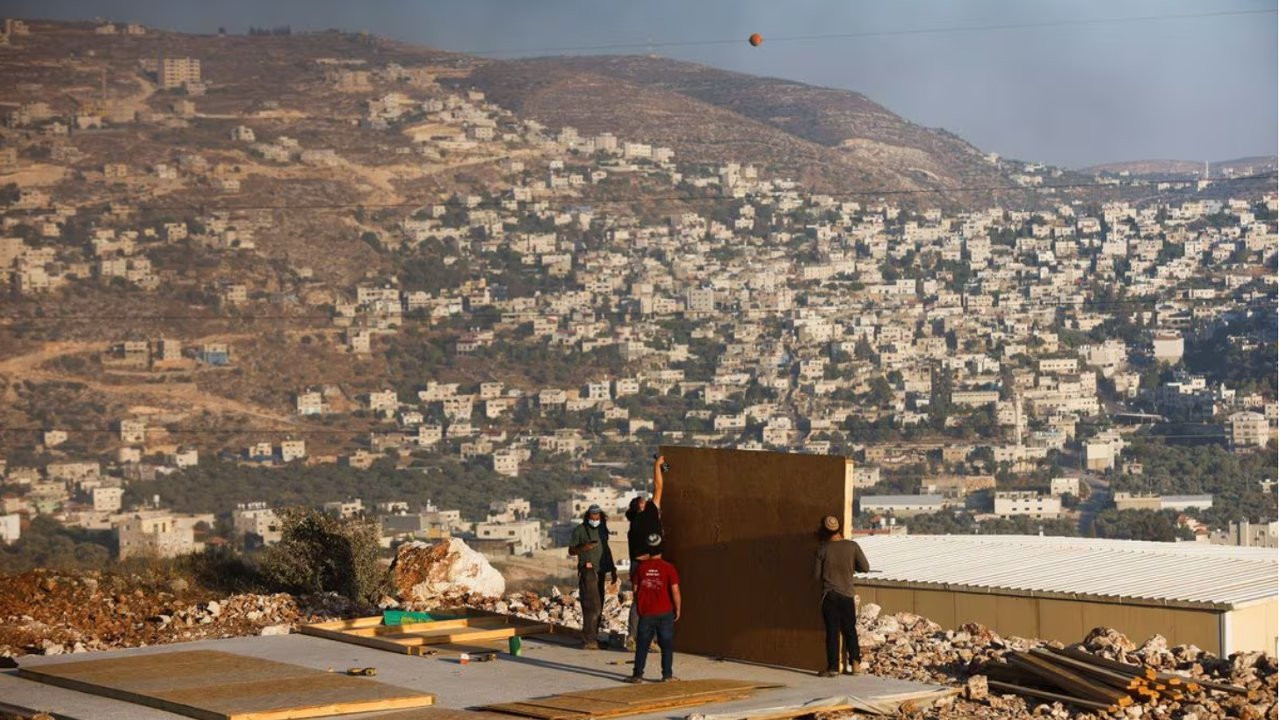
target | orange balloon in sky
[{"x": 755, "y": 39}]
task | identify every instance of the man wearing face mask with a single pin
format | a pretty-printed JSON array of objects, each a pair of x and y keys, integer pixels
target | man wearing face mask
[{"x": 587, "y": 545}]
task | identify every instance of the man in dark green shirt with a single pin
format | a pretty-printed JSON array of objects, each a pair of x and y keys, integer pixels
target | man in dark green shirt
[{"x": 586, "y": 544}]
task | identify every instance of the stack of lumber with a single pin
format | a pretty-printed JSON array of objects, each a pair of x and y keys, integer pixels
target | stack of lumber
[
  {"x": 1077, "y": 677},
  {"x": 628, "y": 700}
]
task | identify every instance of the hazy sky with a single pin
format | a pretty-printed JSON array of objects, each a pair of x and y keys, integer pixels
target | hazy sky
[{"x": 1202, "y": 88}]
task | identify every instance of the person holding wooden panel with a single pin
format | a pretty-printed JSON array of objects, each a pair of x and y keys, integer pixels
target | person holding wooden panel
[
  {"x": 837, "y": 561},
  {"x": 645, "y": 516}
]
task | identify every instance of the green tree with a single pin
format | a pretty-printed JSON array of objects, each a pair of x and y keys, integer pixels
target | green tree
[{"x": 321, "y": 553}]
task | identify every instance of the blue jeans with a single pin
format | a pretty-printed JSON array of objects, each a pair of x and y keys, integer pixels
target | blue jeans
[{"x": 664, "y": 627}]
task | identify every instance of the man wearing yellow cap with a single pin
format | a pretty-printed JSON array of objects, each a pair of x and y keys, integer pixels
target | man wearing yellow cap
[{"x": 838, "y": 559}]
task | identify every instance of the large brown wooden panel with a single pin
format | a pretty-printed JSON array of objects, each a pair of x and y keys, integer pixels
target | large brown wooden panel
[{"x": 741, "y": 528}]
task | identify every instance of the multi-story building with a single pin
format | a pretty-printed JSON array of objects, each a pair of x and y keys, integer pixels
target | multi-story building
[
  {"x": 1247, "y": 534},
  {"x": 177, "y": 72},
  {"x": 107, "y": 499},
  {"x": 608, "y": 498},
  {"x": 1249, "y": 429},
  {"x": 291, "y": 450},
  {"x": 514, "y": 538},
  {"x": 1024, "y": 502},
  {"x": 157, "y": 533},
  {"x": 310, "y": 402},
  {"x": 507, "y": 462},
  {"x": 258, "y": 524}
]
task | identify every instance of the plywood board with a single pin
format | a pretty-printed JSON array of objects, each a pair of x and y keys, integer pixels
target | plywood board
[
  {"x": 213, "y": 685},
  {"x": 619, "y": 701},
  {"x": 741, "y": 528},
  {"x": 436, "y": 713}
]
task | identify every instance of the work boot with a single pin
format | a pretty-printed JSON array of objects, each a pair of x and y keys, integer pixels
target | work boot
[
  {"x": 828, "y": 673},
  {"x": 630, "y": 645},
  {"x": 633, "y": 679},
  {"x": 855, "y": 669},
  {"x": 671, "y": 678}
]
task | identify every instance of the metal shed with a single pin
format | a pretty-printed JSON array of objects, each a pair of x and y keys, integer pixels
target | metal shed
[{"x": 1217, "y": 597}]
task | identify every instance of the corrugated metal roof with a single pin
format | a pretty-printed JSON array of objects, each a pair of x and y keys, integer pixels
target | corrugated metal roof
[
  {"x": 881, "y": 500},
  {"x": 1134, "y": 572}
]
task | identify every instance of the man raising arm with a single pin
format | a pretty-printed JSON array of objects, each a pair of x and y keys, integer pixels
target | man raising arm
[{"x": 645, "y": 516}]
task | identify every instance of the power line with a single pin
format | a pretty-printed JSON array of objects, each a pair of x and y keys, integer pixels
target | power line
[
  {"x": 706, "y": 198},
  {"x": 1085, "y": 22}
]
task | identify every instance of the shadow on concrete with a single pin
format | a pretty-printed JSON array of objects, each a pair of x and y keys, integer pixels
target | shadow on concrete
[{"x": 570, "y": 668}]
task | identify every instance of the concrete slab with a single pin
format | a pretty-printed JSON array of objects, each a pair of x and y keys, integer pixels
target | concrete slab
[{"x": 543, "y": 669}]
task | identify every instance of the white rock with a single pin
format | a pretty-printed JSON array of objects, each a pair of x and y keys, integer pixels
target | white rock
[
  {"x": 431, "y": 573},
  {"x": 282, "y": 629},
  {"x": 869, "y": 611}
]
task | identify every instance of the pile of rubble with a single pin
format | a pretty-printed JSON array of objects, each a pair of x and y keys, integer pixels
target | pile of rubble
[
  {"x": 50, "y": 613},
  {"x": 910, "y": 647},
  {"x": 450, "y": 574},
  {"x": 561, "y": 608}
]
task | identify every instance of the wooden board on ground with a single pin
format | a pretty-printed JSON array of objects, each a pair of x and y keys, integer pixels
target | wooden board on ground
[
  {"x": 741, "y": 526},
  {"x": 628, "y": 700},
  {"x": 213, "y": 685},
  {"x": 437, "y": 713},
  {"x": 419, "y": 638}
]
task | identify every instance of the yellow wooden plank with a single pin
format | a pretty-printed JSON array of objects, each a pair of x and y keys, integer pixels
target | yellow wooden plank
[
  {"x": 649, "y": 693},
  {"x": 374, "y": 630},
  {"x": 378, "y": 643},
  {"x": 533, "y": 711},
  {"x": 437, "y": 713}
]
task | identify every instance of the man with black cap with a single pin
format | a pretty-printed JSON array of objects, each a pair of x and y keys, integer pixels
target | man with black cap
[
  {"x": 658, "y": 602},
  {"x": 587, "y": 545},
  {"x": 645, "y": 516},
  {"x": 838, "y": 559}
]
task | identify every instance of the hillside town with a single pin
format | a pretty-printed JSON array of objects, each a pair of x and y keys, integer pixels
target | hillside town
[{"x": 579, "y": 299}]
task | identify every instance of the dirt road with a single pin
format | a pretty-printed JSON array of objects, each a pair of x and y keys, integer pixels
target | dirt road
[{"x": 184, "y": 396}]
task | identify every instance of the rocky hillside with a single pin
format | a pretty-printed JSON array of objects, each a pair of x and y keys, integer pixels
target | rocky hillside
[
  {"x": 1239, "y": 166},
  {"x": 836, "y": 140}
]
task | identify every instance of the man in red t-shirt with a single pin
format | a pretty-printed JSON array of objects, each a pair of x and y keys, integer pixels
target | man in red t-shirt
[{"x": 657, "y": 600}]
